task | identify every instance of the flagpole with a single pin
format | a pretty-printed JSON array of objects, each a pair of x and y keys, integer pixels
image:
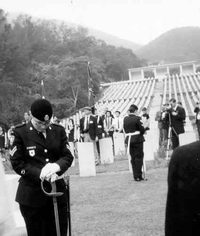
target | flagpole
[
  {"x": 91, "y": 95},
  {"x": 88, "y": 81},
  {"x": 42, "y": 89},
  {"x": 89, "y": 84}
]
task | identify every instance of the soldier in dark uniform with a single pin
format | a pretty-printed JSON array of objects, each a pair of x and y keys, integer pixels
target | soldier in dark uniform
[
  {"x": 134, "y": 129},
  {"x": 40, "y": 152},
  {"x": 183, "y": 199}
]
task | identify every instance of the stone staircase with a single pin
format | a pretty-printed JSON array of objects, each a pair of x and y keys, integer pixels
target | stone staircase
[{"x": 152, "y": 138}]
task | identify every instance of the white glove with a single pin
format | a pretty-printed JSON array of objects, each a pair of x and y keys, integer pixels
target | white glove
[
  {"x": 48, "y": 170},
  {"x": 45, "y": 170},
  {"x": 53, "y": 178},
  {"x": 53, "y": 168}
]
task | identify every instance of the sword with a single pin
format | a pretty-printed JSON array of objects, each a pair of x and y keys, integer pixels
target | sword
[
  {"x": 68, "y": 203},
  {"x": 54, "y": 194}
]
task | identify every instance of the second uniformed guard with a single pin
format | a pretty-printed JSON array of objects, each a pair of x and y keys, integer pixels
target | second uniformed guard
[
  {"x": 134, "y": 137},
  {"x": 40, "y": 152}
]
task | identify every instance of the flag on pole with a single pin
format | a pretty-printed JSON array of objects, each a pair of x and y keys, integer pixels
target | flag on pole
[
  {"x": 91, "y": 94},
  {"x": 42, "y": 89}
]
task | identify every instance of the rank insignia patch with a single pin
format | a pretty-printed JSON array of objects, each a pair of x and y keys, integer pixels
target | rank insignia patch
[
  {"x": 12, "y": 152},
  {"x": 32, "y": 153}
]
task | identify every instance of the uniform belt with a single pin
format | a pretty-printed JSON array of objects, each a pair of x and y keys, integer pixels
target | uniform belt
[
  {"x": 129, "y": 140},
  {"x": 132, "y": 134}
]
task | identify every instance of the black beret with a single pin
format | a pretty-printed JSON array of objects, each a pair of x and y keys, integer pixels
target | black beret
[{"x": 41, "y": 109}]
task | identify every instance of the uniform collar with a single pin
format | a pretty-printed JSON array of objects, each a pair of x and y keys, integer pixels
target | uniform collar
[
  {"x": 175, "y": 108},
  {"x": 36, "y": 138},
  {"x": 31, "y": 127}
]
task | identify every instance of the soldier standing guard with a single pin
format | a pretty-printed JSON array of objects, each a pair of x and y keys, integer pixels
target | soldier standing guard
[
  {"x": 40, "y": 152},
  {"x": 134, "y": 132}
]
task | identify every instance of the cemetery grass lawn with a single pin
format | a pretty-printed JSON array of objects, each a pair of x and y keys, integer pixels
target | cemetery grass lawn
[{"x": 113, "y": 204}]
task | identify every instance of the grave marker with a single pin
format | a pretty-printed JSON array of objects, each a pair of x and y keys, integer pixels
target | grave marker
[
  {"x": 86, "y": 159},
  {"x": 106, "y": 150}
]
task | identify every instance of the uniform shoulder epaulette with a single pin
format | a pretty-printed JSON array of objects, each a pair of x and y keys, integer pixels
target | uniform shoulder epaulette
[
  {"x": 57, "y": 124},
  {"x": 19, "y": 125}
]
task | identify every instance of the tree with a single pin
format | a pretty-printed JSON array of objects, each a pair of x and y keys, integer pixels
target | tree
[{"x": 32, "y": 51}]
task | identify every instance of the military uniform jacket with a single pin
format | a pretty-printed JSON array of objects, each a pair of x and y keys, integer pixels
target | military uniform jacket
[
  {"x": 30, "y": 153},
  {"x": 133, "y": 123},
  {"x": 183, "y": 199}
]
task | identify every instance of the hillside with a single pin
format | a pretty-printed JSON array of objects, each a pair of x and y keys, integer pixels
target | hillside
[
  {"x": 35, "y": 52},
  {"x": 180, "y": 44},
  {"x": 113, "y": 40},
  {"x": 108, "y": 38}
]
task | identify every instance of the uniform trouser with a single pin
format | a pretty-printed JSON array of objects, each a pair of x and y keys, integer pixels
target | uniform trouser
[
  {"x": 41, "y": 221},
  {"x": 97, "y": 143},
  {"x": 175, "y": 140},
  {"x": 137, "y": 154},
  {"x": 163, "y": 137},
  {"x": 87, "y": 138}
]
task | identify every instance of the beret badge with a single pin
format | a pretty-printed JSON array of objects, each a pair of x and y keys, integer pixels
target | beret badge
[{"x": 46, "y": 118}]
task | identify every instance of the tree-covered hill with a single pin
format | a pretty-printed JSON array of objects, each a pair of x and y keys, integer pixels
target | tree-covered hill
[
  {"x": 180, "y": 44},
  {"x": 32, "y": 51},
  {"x": 114, "y": 40}
]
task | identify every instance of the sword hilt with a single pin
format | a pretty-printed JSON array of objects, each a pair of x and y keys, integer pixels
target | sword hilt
[{"x": 53, "y": 192}]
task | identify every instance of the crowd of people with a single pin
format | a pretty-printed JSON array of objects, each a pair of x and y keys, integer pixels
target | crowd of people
[
  {"x": 171, "y": 122},
  {"x": 92, "y": 126}
]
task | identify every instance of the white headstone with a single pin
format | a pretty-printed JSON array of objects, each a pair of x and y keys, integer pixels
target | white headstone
[
  {"x": 106, "y": 150},
  {"x": 86, "y": 159},
  {"x": 71, "y": 147},
  {"x": 119, "y": 147},
  {"x": 149, "y": 147},
  {"x": 12, "y": 184},
  {"x": 6, "y": 216}
]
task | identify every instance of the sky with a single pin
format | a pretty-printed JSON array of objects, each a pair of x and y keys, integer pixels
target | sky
[{"x": 139, "y": 21}]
